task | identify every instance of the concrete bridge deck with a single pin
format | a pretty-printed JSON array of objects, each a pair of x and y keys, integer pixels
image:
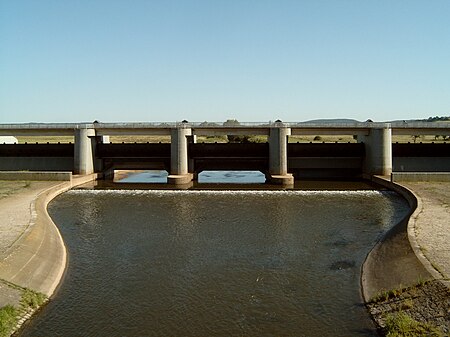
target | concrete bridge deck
[{"x": 374, "y": 153}]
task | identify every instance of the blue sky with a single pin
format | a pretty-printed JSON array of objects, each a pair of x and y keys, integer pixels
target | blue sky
[{"x": 253, "y": 60}]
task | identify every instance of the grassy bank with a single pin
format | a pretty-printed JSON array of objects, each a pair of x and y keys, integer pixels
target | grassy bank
[
  {"x": 12, "y": 316},
  {"x": 420, "y": 310}
]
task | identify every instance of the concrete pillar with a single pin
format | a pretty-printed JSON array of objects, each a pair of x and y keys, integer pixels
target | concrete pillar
[
  {"x": 378, "y": 148},
  {"x": 84, "y": 154},
  {"x": 191, "y": 169},
  {"x": 179, "y": 161},
  {"x": 278, "y": 159}
]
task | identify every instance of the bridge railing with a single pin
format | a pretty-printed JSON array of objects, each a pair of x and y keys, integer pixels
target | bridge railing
[{"x": 401, "y": 125}]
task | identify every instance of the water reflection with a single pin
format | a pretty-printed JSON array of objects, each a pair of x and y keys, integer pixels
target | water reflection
[{"x": 234, "y": 177}]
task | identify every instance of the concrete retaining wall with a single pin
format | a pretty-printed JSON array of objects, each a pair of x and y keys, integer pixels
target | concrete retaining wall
[
  {"x": 395, "y": 261},
  {"x": 33, "y": 175},
  {"x": 420, "y": 176},
  {"x": 421, "y": 164},
  {"x": 36, "y": 163}
]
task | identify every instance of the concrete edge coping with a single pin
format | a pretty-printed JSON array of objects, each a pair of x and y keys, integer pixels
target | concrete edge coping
[
  {"x": 47, "y": 196},
  {"x": 53, "y": 193},
  {"x": 408, "y": 194}
]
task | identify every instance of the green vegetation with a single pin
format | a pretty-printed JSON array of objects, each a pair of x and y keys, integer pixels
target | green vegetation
[
  {"x": 8, "y": 320},
  {"x": 32, "y": 299},
  {"x": 10, "y": 315},
  {"x": 387, "y": 294},
  {"x": 402, "y": 325}
]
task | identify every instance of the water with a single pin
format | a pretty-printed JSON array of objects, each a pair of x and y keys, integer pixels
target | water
[
  {"x": 215, "y": 263},
  {"x": 234, "y": 177},
  {"x": 150, "y": 176}
]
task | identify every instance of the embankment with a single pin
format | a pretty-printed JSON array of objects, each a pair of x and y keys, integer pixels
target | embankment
[
  {"x": 397, "y": 268},
  {"x": 35, "y": 257}
]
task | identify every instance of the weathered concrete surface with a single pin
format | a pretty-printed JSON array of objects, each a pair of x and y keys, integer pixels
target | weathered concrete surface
[
  {"x": 414, "y": 251},
  {"x": 406, "y": 177},
  {"x": 9, "y": 295},
  {"x": 430, "y": 226},
  {"x": 33, "y": 253},
  {"x": 35, "y": 175},
  {"x": 17, "y": 209},
  {"x": 392, "y": 263}
]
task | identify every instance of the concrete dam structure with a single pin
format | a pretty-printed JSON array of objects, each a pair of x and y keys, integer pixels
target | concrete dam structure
[{"x": 183, "y": 158}]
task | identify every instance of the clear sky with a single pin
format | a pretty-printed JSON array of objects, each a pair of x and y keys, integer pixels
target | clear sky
[{"x": 253, "y": 60}]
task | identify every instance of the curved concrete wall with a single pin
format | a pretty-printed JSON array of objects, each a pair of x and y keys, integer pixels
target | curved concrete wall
[{"x": 395, "y": 261}]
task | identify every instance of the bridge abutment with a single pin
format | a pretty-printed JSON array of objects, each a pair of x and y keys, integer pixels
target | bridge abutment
[
  {"x": 179, "y": 159},
  {"x": 278, "y": 159}
]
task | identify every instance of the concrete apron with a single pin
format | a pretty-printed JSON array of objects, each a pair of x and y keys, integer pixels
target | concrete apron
[
  {"x": 37, "y": 260},
  {"x": 396, "y": 260}
]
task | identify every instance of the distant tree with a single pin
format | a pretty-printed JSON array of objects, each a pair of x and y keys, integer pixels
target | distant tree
[
  {"x": 415, "y": 137},
  {"x": 233, "y": 138},
  {"x": 437, "y": 119}
]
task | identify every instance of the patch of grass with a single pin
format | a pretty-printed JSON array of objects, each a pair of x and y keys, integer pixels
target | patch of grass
[
  {"x": 32, "y": 299},
  {"x": 8, "y": 320},
  {"x": 401, "y": 324},
  {"x": 387, "y": 294},
  {"x": 407, "y": 304}
]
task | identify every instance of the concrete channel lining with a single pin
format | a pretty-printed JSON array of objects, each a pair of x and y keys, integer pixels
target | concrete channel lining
[
  {"x": 396, "y": 261},
  {"x": 37, "y": 260}
]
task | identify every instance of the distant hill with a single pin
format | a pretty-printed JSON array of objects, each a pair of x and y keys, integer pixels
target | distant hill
[{"x": 332, "y": 120}]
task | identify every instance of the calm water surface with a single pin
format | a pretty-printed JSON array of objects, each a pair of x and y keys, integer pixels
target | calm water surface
[{"x": 215, "y": 263}]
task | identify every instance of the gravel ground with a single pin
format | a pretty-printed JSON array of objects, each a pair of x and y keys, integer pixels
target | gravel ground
[{"x": 16, "y": 200}]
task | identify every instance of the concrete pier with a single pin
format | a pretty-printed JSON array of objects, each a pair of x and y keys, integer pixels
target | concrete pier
[
  {"x": 179, "y": 161},
  {"x": 84, "y": 153},
  {"x": 278, "y": 159},
  {"x": 378, "y": 145}
]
